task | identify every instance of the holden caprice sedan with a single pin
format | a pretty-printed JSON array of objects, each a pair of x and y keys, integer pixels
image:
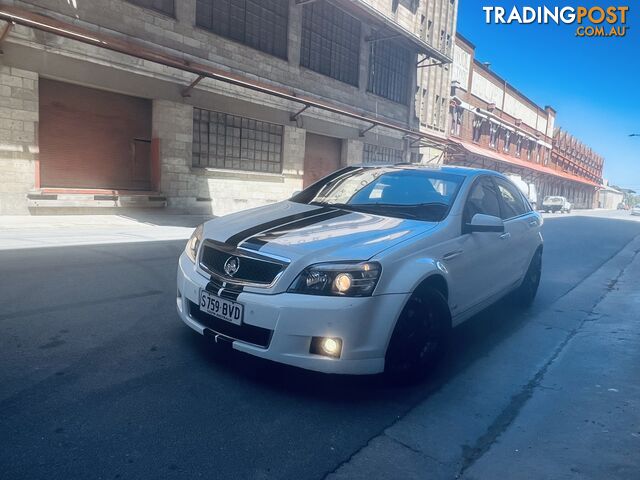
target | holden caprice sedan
[{"x": 365, "y": 271}]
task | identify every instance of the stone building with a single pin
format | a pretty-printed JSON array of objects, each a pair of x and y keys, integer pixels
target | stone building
[
  {"x": 496, "y": 126},
  {"x": 212, "y": 105},
  {"x": 571, "y": 155}
]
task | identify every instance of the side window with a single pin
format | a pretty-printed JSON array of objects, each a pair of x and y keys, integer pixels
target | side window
[
  {"x": 483, "y": 198},
  {"x": 512, "y": 202}
]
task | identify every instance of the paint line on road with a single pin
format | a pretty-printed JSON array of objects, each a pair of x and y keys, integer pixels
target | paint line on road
[{"x": 86, "y": 303}]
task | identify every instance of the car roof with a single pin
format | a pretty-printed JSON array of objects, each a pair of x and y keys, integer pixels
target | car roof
[{"x": 453, "y": 169}]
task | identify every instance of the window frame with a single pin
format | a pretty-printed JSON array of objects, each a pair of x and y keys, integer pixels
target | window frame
[
  {"x": 477, "y": 128},
  {"x": 518, "y": 194},
  {"x": 475, "y": 182}
]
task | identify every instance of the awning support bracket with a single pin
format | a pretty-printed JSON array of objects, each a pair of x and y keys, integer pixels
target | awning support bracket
[
  {"x": 295, "y": 116},
  {"x": 362, "y": 132},
  {"x": 187, "y": 91},
  {"x": 380, "y": 38},
  {"x": 420, "y": 63},
  {"x": 5, "y": 32}
]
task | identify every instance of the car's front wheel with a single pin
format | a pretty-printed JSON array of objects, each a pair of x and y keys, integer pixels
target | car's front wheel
[
  {"x": 526, "y": 292},
  {"x": 420, "y": 336}
]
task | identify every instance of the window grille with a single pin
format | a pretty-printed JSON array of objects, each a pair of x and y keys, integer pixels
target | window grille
[
  {"x": 330, "y": 42},
  {"x": 390, "y": 71},
  {"x": 384, "y": 155},
  {"x": 261, "y": 24},
  {"x": 228, "y": 141}
]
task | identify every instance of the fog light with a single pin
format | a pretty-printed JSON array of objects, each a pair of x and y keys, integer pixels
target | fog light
[{"x": 326, "y": 346}]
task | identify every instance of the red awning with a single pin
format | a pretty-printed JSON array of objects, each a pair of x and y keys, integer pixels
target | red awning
[{"x": 493, "y": 155}]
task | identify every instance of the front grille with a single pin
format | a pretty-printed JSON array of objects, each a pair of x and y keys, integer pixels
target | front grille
[
  {"x": 253, "y": 270},
  {"x": 247, "y": 333}
]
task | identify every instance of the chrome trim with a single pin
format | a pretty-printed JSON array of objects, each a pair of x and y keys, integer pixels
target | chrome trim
[{"x": 242, "y": 253}]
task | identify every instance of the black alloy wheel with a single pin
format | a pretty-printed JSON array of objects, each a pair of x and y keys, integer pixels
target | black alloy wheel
[
  {"x": 420, "y": 336},
  {"x": 526, "y": 292}
]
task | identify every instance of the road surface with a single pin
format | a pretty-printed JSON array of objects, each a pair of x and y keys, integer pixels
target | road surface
[{"x": 99, "y": 378}]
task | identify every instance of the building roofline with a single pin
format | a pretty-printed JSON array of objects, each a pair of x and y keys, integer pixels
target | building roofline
[
  {"x": 508, "y": 85},
  {"x": 465, "y": 40}
]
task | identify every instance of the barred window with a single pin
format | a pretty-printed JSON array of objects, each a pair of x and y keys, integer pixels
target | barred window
[
  {"x": 261, "y": 24},
  {"x": 330, "y": 42},
  {"x": 221, "y": 140},
  {"x": 384, "y": 155},
  {"x": 163, "y": 6},
  {"x": 390, "y": 71}
]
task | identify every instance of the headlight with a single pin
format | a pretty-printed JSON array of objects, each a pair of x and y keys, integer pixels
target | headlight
[
  {"x": 341, "y": 279},
  {"x": 194, "y": 243}
]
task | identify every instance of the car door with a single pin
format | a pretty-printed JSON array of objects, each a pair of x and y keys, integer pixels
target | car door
[
  {"x": 519, "y": 219},
  {"x": 476, "y": 270}
]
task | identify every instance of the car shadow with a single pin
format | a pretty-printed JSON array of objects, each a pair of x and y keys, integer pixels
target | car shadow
[{"x": 470, "y": 341}]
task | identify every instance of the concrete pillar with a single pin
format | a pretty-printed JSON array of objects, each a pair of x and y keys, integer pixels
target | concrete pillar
[
  {"x": 18, "y": 138},
  {"x": 186, "y": 12},
  {"x": 351, "y": 152},
  {"x": 172, "y": 125},
  {"x": 295, "y": 33},
  {"x": 294, "y": 143}
]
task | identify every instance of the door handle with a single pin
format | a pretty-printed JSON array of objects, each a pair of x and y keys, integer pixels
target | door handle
[
  {"x": 533, "y": 223},
  {"x": 505, "y": 236},
  {"x": 452, "y": 255}
]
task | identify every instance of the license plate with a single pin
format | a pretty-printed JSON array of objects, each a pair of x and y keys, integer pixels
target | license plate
[{"x": 221, "y": 307}]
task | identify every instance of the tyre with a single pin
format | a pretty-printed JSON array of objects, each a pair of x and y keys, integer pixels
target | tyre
[
  {"x": 526, "y": 292},
  {"x": 420, "y": 336}
]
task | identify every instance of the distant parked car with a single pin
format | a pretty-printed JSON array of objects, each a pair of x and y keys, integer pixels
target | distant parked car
[
  {"x": 622, "y": 206},
  {"x": 635, "y": 210},
  {"x": 555, "y": 204}
]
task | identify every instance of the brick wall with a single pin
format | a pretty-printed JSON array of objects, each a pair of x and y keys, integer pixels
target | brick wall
[{"x": 18, "y": 143}]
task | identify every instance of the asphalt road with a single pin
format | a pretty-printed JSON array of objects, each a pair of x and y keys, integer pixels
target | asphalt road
[{"x": 99, "y": 379}]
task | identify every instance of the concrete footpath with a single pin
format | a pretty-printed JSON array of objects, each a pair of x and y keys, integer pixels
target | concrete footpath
[
  {"x": 559, "y": 400},
  {"x": 23, "y": 231}
]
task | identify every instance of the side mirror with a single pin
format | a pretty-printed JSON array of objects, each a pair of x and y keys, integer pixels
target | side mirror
[{"x": 484, "y": 223}]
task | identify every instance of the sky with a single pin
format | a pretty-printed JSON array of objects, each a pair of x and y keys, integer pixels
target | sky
[{"x": 593, "y": 83}]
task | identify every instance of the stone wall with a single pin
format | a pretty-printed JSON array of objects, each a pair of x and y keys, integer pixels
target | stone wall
[
  {"x": 18, "y": 142},
  {"x": 217, "y": 191}
]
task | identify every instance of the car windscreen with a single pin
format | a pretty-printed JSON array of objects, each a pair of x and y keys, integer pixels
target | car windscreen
[{"x": 420, "y": 194}]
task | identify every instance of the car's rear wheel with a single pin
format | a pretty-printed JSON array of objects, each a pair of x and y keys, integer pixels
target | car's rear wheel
[
  {"x": 420, "y": 336},
  {"x": 526, "y": 292}
]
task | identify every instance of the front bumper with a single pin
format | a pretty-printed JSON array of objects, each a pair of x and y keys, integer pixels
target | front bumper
[{"x": 364, "y": 324}]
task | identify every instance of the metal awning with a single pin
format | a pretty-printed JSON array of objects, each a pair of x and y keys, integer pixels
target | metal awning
[
  {"x": 20, "y": 16},
  {"x": 515, "y": 162},
  {"x": 364, "y": 11}
]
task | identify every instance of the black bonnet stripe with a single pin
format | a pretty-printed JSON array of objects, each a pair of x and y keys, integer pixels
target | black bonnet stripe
[
  {"x": 249, "y": 232},
  {"x": 257, "y": 242}
]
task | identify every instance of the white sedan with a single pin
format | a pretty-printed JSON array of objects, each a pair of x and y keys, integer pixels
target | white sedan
[{"x": 365, "y": 271}]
